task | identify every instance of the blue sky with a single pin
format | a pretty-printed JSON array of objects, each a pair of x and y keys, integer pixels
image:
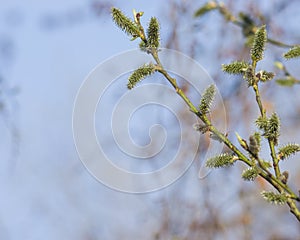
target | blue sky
[{"x": 49, "y": 194}]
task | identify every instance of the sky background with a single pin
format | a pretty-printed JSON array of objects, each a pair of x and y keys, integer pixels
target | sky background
[
  {"x": 46, "y": 191},
  {"x": 47, "y": 48}
]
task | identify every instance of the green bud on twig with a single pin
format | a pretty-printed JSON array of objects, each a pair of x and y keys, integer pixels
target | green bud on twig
[
  {"x": 242, "y": 141},
  {"x": 237, "y": 67},
  {"x": 250, "y": 174},
  {"x": 275, "y": 198},
  {"x": 270, "y": 127},
  {"x": 257, "y": 137},
  {"x": 153, "y": 33},
  {"x": 273, "y": 128},
  {"x": 288, "y": 150},
  {"x": 292, "y": 53},
  {"x": 265, "y": 76},
  {"x": 258, "y": 46},
  {"x": 223, "y": 160},
  {"x": 262, "y": 123},
  {"x": 139, "y": 74},
  {"x": 254, "y": 146},
  {"x": 207, "y": 99},
  {"x": 125, "y": 23}
]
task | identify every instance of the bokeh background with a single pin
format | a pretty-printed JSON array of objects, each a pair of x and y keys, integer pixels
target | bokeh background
[{"x": 47, "y": 48}]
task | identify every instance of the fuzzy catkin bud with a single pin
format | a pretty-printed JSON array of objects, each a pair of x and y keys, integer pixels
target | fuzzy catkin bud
[
  {"x": 258, "y": 47},
  {"x": 223, "y": 160},
  {"x": 250, "y": 174},
  {"x": 274, "y": 197},
  {"x": 265, "y": 76},
  {"x": 153, "y": 33},
  {"x": 288, "y": 150},
  {"x": 207, "y": 99},
  {"x": 237, "y": 67},
  {"x": 273, "y": 128},
  {"x": 139, "y": 74},
  {"x": 125, "y": 23},
  {"x": 292, "y": 53},
  {"x": 253, "y": 146}
]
